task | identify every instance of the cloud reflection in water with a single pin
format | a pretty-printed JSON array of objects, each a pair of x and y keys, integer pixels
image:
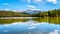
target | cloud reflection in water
[{"x": 29, "y": 27}]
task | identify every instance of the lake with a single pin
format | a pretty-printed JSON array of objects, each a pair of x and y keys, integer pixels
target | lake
[{"x": 42, "y": 25}]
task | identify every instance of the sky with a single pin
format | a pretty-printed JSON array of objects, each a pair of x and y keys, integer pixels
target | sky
[{"x": 42, "y": 5}]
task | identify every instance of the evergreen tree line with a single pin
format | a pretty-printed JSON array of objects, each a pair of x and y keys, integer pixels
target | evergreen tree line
[{"x": 50, "y": 13}]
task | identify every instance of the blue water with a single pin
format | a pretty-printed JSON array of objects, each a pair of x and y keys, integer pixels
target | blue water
[{"x": 29, "y": 27}]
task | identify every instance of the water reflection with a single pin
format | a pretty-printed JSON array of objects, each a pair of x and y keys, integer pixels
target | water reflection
[
  {"x": 50, "y": 20},
  {"x": 34, "y": 26},
  {"x": 8, "y": 21}
]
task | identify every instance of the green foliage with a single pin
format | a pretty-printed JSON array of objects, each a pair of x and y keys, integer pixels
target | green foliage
[
  {"x": 54, "y": 13},
  {"x": 50, "y": 13},
  {"x": 12, "y": 14}
]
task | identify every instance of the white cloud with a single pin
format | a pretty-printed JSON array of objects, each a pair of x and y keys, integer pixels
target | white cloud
[
  {"x": 7, "y": 9},
  {"x": 29, "y": 1},
  {"x": 6, "y": 4},
  {"x": 37, "y": 1},
  {"x": 42, "y": 1},
  {"x": 30, "y": 6},
  {"x": 32, "y": 27},
  {"x": 54, "y": 32},
  {"x": 6, "y": 25},
  {"x": 53, "y": 1},
  {"x": 34, "y": 1}
]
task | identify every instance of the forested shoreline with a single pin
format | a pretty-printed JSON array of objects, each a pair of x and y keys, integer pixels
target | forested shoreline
[{"x": 50, "y": 13}]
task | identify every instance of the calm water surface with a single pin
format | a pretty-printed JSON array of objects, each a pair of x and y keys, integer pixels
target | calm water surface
[{"x": 30, "y": 26}]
